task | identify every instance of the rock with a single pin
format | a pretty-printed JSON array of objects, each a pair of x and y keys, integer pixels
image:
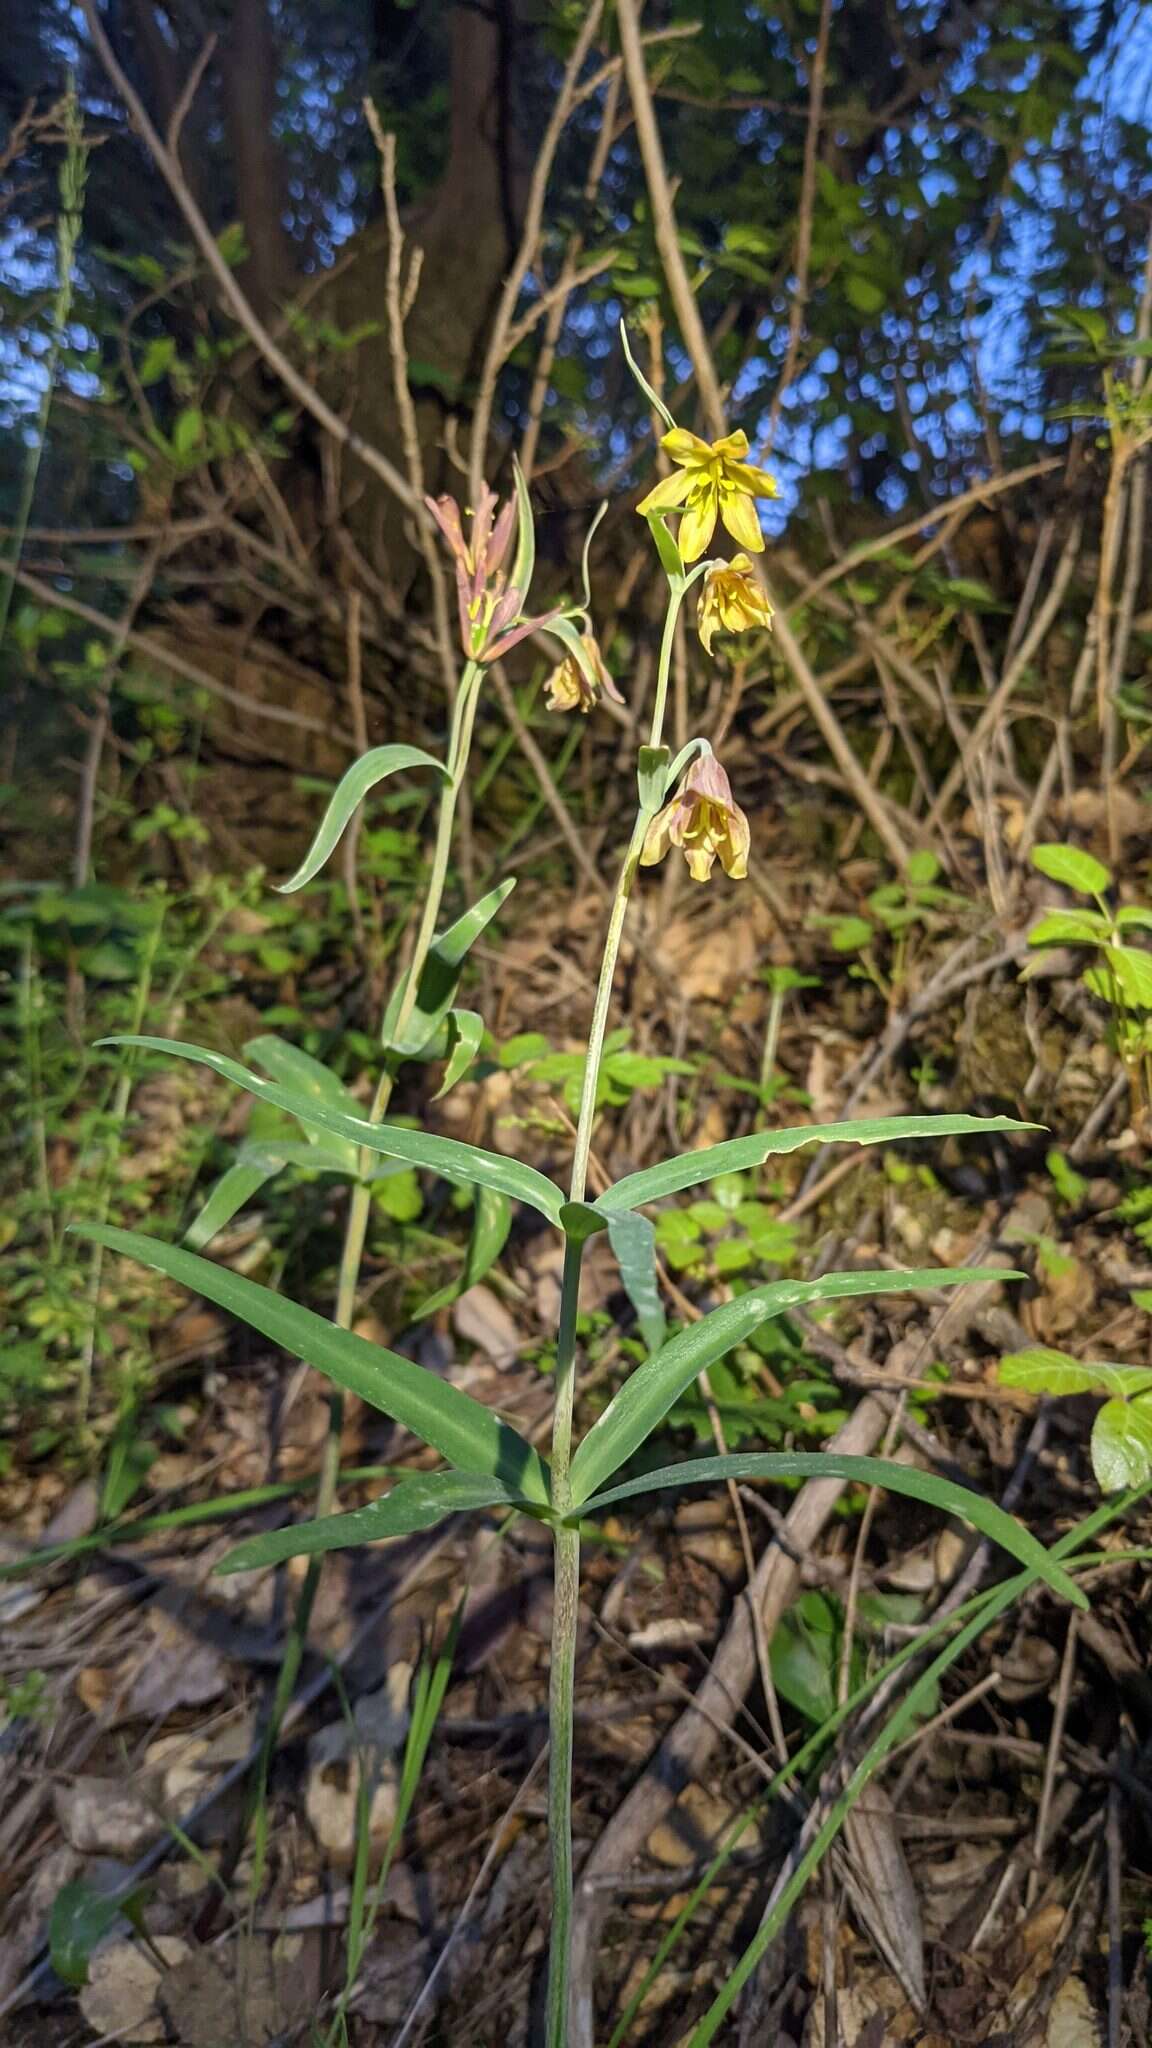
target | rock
[
  {"x": 481, "y": 1318},
  {"x": 120, "y": 1998},
  {"x": 106, "y": 1817},
  {"x": 178, "y": 1671},
  {"x": 704, "y": 1528},
  {"x": 337, "y": 1756},
  {"x": 673, "y": 1633},
  {"x": 1073, "y": 2021}
]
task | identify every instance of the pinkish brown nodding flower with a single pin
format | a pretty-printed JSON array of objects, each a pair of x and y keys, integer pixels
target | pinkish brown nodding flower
[
  {"x": 490, "y": 607},
  {"x": 705, "y": 822}
]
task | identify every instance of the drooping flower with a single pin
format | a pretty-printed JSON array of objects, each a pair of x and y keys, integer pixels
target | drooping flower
[
  {"x": 705, "y": 822},
  {"x": 569, "y": 689},
  {"x": 731, "y": 601},
  {"x": 491, "y": 609},
  {"x": 712, "y": 481}
]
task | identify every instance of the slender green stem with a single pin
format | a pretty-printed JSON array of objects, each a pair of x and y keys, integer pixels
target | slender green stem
[
  {"x": 616, "y": 917},
  {"x": 355, "y": 1233},
  {"x": 567, "y": 1541},
  {"x": 560, "y": 1717},
  {"x": 676, "y": 591}
]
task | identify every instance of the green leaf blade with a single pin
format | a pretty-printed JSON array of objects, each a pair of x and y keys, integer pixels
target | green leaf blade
[
  {"x": 469, "y": 1435},
  {"x": 419, "y": 1148},
  {"x": 413, "y": 1504},
  {"x": 347, "y": 797},
  {"x": 1072, "y": 868},
  {"x": 736, "y": 1155},
  {"x": 928, "y": 1487},
  {"x": 645, "y": 1398}
]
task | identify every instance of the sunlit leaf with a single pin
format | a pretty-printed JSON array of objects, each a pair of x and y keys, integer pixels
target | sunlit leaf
[
  {"x": 1072, "y": 867},
  {"x": 1122, "y": 1445},
  {"x": 1042, "y": 1370},
  {"x": 929, "y": 1487},
  {"x": 737, "y": 1154},
  {"x": 349, "y": 794},
  {"x": 465, "y": 1031},
  {"x": 645, "y": 1398},
  {"x": 416, "y": 1503}
]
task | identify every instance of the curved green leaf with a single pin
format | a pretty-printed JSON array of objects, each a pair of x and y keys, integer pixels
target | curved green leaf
[
  {"x": 644, "y": 1399},
  {"x": 349, "y": 794},
  {"x": 466, "y": 1029},
  {"x": 461, "y": 1429},
  {"x": 1122, "y": 1445},
  {"x": 293, "y": 1068},
  {"x": 654, "y": 399},
  {"x": 256, "y": 1164},
  {"x": 440, "y": 975},
  {"x": 420, "y": 1148},
  {"x": 491, "y": 1222},
  {"x": 1070, "y": 928},
  {"x": 951, "y": 1499},
  {"x": 1041, "y": 1370},
  {"x": 524, "y": 566},
  {"x": 416, "y": 1503},
  {"x": 737, "y": 1154},
  {"x": 634, "y": 1242}
]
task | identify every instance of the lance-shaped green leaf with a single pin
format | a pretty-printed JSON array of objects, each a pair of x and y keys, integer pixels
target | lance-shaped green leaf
[
  {"x": 420, "y": 1148},
  {"x": 348, "y": 795},
  {"x": 524, "y": 566},
  {"x": 653, "y": 397},
  {"x": 440, "y": 976},
  {"x": 951, "y": 1499},
  {"x": 293, "y": 1068},
  {"x": 645, "y": 1398},
  {"x": 416, "y": 1503},
  {"x": 634, "y": 1242},
  {"x": 465, "y": 1030},
  {"x": 737, "y": 1154},
  {"x": 461, "y": 1429},
  {"x": 256, "y": 1164},
  {"x": 491, "y": 1222}
]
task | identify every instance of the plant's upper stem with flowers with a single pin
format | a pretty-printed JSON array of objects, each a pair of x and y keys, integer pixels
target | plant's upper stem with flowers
[{"x": 704, "y": 821}]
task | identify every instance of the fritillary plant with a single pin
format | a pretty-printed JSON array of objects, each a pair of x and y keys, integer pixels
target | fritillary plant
[{"x": 683, "y": 805}]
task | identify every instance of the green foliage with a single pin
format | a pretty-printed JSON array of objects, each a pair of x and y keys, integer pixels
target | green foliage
[
  {"x": 1121, "y": 975},
  {"x": 622, "y": 1073},
  {"x": 1121, "y": 1442},
  {"x": 983, "y": 1514},
  {"x": 897, "y": 913}
]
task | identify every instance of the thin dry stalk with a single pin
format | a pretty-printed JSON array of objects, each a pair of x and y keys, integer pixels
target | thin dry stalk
[
  {"x": 696, "y": 342},
  {"x": 816, "y": 84},
  {"x": 501, "y": 343},
  {"x": 169, "y": 166}
]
